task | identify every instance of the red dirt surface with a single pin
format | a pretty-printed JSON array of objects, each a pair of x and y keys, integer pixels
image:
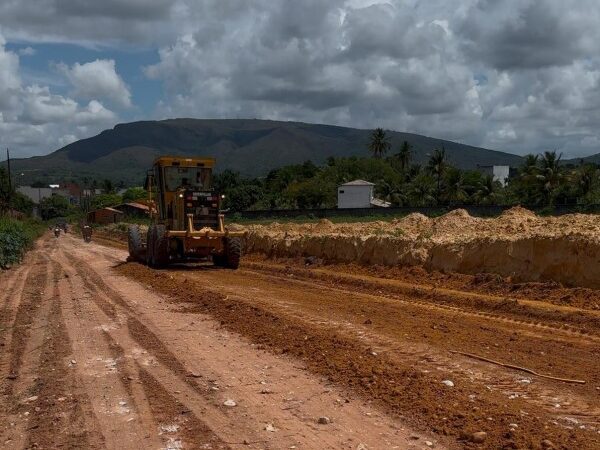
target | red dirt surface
[{"x": 93, "y": 359}]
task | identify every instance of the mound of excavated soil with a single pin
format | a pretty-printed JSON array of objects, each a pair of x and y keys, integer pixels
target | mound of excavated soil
[{"x": 517, "y": 244}]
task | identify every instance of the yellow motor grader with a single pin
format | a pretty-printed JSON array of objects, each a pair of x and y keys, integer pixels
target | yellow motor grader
[{"x": 187, "y": 223}]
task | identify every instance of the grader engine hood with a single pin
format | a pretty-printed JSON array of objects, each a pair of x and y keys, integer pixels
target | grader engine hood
[{"x": 204, "y": 206}]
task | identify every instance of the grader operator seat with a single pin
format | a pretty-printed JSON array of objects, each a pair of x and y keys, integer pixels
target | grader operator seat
[{"x": 188, "y": 223}]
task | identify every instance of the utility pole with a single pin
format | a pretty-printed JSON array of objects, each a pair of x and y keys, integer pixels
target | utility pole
[{"x": 9, "y": 177}]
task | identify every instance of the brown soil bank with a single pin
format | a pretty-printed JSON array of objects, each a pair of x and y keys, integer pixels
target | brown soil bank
[{"x": 518, "y": 244}]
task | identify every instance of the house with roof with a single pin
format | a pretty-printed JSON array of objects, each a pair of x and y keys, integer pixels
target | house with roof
[
  {"x": 359, "y": 194},
  {"x": 133, "y": 209}
]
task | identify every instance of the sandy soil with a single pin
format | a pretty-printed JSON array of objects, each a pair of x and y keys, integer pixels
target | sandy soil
[
  {"x": 94, "y": 355},
  {"x": 518, "y": 244}
]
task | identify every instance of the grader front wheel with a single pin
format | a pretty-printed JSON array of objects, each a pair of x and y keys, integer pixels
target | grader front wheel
[{"x": 161, "y": 247}]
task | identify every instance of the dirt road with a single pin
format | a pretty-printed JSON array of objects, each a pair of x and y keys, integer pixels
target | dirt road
[
  {"x": 98, "y": 353},
  {"x": 91, "y": 359}
]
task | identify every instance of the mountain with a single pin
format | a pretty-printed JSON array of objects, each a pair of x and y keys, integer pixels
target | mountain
[{"x": 250, "y": 146}]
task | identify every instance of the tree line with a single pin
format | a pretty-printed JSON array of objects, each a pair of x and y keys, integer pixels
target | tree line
[{"x": 541, "y": 181}]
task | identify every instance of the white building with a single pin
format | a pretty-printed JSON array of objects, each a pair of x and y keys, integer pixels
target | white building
[
  {"x": 358, "y": 194},
  {"x": 498, "y": 173}
]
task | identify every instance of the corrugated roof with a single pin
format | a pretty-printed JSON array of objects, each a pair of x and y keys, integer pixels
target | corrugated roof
[
  {"x": 136, "y": 205},
  {"x": 358, "y": 183},
  {"x": 380, "y": 203}
]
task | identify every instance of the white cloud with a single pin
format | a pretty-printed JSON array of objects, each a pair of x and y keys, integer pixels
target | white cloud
[
  {"x": 34, "y": 120},
  {"x": 27, "y": 51},
  {"x": 518, "y": 75},
  {"x": 98, "y": 79}
]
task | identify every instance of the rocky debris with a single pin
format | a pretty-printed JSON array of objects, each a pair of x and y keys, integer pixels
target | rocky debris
[
  {"x": 429, "y": 444},
  {"x": 448, "y": 383},
  {"x": 478, "y": 437},
  {"x": 270, "y": 428},
  {"x": 323, "y": 420},
  {"x": 548, "y": 445},
  {"x": 362, "y": 446},
  {"x": 230, "y": 403}
]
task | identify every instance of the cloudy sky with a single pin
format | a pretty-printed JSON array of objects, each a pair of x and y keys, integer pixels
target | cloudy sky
[{"x": 515, "y": 75}]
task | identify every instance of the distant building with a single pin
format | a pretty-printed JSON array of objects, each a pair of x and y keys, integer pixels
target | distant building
[
  {"x": 103, "y": 216},
  {"x": 498, "y": 173},
  {"x": 36, "y": 195},
  {"x": 359, "y": 194}
]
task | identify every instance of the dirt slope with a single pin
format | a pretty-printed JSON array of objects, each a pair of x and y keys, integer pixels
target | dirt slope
[{"x": 518, "y": 244}]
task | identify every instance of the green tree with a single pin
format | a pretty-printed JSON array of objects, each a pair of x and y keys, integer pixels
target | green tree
[
  {"x": 404, "y": 155},
  {"x": 586, "y": 184},
  {"x": 104, "y": 200},
  {"x": 54, "y": 206},
  {"x": 437, "y": 167},
  {"x": 379, "y": 144},
  {"x": 488, "y": 191},
  {"x": 455, "y": 186},
  {"x": 134, "y": 194},
  {"x": 107, "y": 187},
  {"x": 422, "y": 190},
  {"x": 550, "y": 175}
]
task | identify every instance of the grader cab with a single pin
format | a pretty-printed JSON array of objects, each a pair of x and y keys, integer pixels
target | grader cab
[{"x": 187, "y": 223}]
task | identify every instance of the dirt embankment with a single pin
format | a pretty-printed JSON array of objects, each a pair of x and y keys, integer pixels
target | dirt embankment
[{"x": 518, "y": 244}]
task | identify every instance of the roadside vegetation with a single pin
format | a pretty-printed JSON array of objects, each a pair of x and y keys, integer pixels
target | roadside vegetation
[
  {"x": 18, "y": 231},
  {"x": 16, "y": 237}
]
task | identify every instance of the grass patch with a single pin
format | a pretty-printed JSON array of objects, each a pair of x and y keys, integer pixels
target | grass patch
[{"x": 16, "y": 237}]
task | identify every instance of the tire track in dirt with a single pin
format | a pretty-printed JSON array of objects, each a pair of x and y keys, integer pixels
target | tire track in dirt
[
  {"x": 14, "y": 285},
  {"x": 30, "y": 301},
  {"x": 469, "y": 303},
  {"x": 175, "y": 423},
  {"x": 61, "y": 417},
  {"x": 395, "y": 384},
  {"x": 172, "y": 417},
  {"x": 120, "y": 406},
  {"x": 108, "y": 300}
]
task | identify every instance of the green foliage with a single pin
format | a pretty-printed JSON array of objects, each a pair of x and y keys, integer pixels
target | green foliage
[
  {"x": 379, "y": 143},
  {"x": 55, "y": 206},
  {"x": 104, "y": 200},
  {"x": 134, "y": 194},
  {"x": 21, "y": 203},
  {"x": 15, "y": 238}
]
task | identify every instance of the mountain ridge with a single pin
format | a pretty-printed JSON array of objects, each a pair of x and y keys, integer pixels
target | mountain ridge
[{"x": 250, "y": 146}]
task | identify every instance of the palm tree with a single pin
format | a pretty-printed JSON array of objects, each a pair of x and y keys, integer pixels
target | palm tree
[
  {"x": 487, "y": 191},
  {"x": 586, "y": 180},
  {"x": 437, "y": 166},
  {"x": 456, "y": 188},
  {"x": 404, "y": 155},
  {"x": 422, "y": 189},
  {"x": 391, "y": 192},
  {"x": 379, "y": 144},
  {"x": 550, "y": 175}
]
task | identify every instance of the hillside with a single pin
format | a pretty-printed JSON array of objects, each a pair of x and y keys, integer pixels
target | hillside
[{"x": 252, "y": 147}]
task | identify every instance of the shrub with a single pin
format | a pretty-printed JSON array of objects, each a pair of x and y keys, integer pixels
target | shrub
[{"x": 16, "y": 237}]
